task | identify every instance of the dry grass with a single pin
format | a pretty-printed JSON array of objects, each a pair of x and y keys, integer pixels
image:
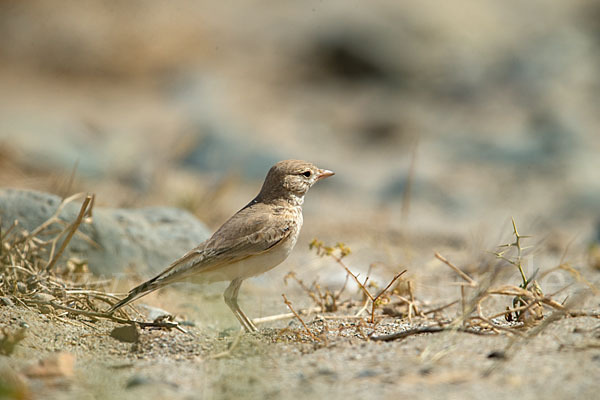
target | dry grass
[
  {"x": 529, "y": 312},
  {"x": 34, "y": 273}
]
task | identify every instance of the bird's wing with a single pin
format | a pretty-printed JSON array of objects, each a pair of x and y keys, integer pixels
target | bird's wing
[{"x": 249, "y": 232}]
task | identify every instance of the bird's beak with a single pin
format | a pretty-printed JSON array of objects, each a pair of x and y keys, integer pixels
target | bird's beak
[{"x": 324, "y": 173}]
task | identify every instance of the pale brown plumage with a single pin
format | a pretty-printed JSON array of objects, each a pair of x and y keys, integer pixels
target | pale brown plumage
[{"x": 255, "y": 239}]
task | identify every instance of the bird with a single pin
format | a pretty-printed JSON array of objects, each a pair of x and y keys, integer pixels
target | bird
[{"x": 254, "y": 240}]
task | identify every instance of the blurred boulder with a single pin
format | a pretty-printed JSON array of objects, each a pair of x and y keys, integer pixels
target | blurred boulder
[
  {"x": 422, "y": 191},
  {"x": 350, "y": 59},
  {"x": 145, "y": 239},
  {"x": 217, "y": 153},
  {"x": 546, "y": 146}
]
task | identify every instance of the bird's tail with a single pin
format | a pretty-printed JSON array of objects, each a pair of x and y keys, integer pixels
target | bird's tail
[
  {"x": 135, "y": 293},
  {"x": 178, "y": 270}
]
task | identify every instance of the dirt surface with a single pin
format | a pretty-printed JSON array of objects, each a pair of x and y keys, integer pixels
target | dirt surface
[
  {"x": 67, "y": 356},
  {"x": 563, "y": 361}
]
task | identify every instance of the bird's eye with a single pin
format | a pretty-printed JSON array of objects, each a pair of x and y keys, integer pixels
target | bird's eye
[{"x": 306, "y": 174}]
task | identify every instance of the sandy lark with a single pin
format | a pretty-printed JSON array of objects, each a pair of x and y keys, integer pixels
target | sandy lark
[{"x": 256, "y": 239}]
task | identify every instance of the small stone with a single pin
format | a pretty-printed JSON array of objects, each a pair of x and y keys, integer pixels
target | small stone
[
  {"x": 426, "y": 371},
  {"x": 326, "y": 371},
  {"x": 367, "y": 373},
  {"x": 43, "y": 297},
  {"x": 127, "y": 334},
  {"x": 5, "y": 301},
  {"x": 45, "y": 309},
  {"x": 21, "y": 287},
  {"x": 227, "y": 333},
  {"x": 499, "y": 354},
  {"x": 392, "y": 312},
  {"x": 137, "y": 380}
]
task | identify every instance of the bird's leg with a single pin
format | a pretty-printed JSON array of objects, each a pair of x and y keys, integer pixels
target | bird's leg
[{"x": 230, "y": 296}]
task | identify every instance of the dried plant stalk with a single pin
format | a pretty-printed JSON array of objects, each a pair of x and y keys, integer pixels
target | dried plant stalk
[{"x": 289, "y": 305}]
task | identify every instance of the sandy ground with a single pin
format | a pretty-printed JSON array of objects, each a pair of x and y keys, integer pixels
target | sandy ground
[
  {"x": 562, "y": 362},
  {"x": 215, "y": 361}
]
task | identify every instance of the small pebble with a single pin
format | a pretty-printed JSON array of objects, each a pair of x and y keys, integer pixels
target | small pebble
[
  {"x": 21, "y": 287},
  {"x": 45, "y": 309},
  {"x": 43, "y": 297},
  {"x": 367, "y": 373},
  {"x": 326, "y": 371},
  {"x": 5, "y": 301},
  {"x": 227, "y": 333},
  {"x": 137, "y": 380},
  {"x": 426, "y": 371},
  {"x": 127, "y": 334},
  {"x": 499, "y": 354}
]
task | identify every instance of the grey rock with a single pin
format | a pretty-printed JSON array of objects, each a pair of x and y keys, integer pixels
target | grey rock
[
  {"x": 138, "y": 380},
  {"x": 6, "y": 301},
  {"x": 127, "y": 334},
  {"x": 43, "y": 297},
  {"x": 327, "y": 372},
  {"x": 422, "y": 190},
  {"x": 146, "y": 239},
  {"x": 217, "y": 143},
  {"x": 350, "y": 57},
  {"x": 21, "y": 287},
  {"x": 367, "y": 373},
  {"x": 499, "y": 354},
  {"x": 215, "y": 153}
]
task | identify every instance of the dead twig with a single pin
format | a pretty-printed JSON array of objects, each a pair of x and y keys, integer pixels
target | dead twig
[
  {"x": 97, "y": 314},
  {"x": 287, "y": 303},
  {"x": 463, "y": 275},
  {"x": 85, "y": 210},
  {"x": 426, "y": 329},
  {"x": 364, "y": 289},
  {"x": 375, "y": 299},
  {"x": 438, "y": 309},
  {"x": 279, "y": 317},
  {"x": 338, "y": 252}
]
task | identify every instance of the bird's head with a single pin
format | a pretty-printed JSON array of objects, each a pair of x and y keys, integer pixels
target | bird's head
[{"x": 291, "y": 179}]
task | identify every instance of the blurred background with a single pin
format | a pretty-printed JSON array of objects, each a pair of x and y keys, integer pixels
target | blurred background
[{"x": 441, "y": 119}]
